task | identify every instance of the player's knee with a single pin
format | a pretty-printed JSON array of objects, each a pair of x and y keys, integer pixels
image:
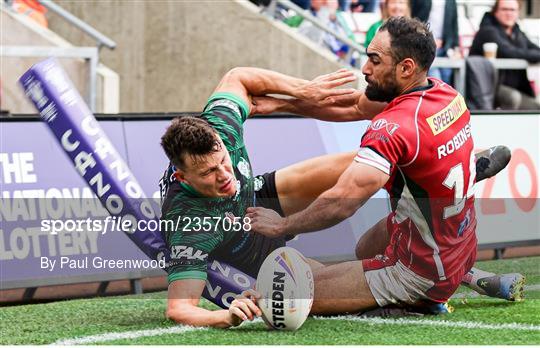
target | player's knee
[{"x": 359, "y": 249}]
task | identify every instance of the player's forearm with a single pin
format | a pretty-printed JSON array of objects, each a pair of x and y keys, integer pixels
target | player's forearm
[
  {"x": 196, "y": 316},
  {"x": 326, "y": 211},
  {"x": 369, "y": 108},
  {"x": 261, "y": 82},
  {"x": 364, "y": 110},
  {"x": 327, "y": 113}
]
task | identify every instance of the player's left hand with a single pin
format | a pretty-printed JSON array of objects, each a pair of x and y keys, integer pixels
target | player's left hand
[
  {"x": 322, "y": 90},
  {"x": 266, "y": 222}
]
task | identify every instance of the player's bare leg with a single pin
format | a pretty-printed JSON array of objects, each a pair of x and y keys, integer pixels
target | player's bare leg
[
  {"x": 342, "y": 288},
  {"x": 373, "y": 242},
  {"x": 506, "y": 286},
  {"x": 315, "y": 265},
  {"x": 298, "y": 185}
]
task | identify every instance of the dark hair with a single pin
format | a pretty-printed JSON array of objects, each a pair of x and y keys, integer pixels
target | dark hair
[
  {"x": 498, "y": 3},
  {"x": 410, "y": 38},
  {"x": 189, "y": 136}
]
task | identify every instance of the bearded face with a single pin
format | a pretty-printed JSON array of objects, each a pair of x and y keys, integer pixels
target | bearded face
[{"x": 384, "y": 88}]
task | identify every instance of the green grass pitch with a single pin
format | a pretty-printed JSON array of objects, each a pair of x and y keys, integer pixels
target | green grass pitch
[{"x": 476, "y": 320}]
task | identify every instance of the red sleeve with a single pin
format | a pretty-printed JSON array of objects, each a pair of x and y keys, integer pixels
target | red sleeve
[{"x": 386, "y": 144}]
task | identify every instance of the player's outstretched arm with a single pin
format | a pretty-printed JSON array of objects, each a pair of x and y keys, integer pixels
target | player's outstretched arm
[
  {"x": 183, "y": 300},
  {"x": 351, "y": 107},
  {"x": 247, "y": 82},
  {"x": 353, "y": 189}
]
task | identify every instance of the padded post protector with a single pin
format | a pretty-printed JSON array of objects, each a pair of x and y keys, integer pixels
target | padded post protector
[
  {"x": 99, "y": 164},
  {"x": 91, "y": 152}
]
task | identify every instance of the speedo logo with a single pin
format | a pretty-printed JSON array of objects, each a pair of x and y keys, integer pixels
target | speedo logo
[
  {"x": 188, "y": 253},
  {"x": 447, "y": 116}
]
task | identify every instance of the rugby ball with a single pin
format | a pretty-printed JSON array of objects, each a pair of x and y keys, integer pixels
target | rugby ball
[{"x": 285, "y": 282}]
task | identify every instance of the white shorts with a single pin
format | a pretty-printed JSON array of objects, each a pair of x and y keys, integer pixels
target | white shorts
[{"x": 396, "y": 284}]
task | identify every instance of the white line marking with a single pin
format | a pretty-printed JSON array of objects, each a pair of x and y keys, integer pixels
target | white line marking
[
  {"x": 473, "y": 294},
  {"x": 111, "y": 336},
  {"x": 443, "y": 323}
]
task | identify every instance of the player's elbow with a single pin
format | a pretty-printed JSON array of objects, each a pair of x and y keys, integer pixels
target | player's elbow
[
  {"x": 238, "y": 73},
  {"x": 344, "y": 206},
  {"x": 181, "y": 315},
  {"x": 175, "y": 315}
]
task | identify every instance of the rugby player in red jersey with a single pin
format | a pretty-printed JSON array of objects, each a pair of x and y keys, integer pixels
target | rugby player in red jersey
[{"x": 420, "y": 149}]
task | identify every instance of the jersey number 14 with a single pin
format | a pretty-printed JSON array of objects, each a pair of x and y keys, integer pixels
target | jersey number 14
[{"x": 455, "y": 180}]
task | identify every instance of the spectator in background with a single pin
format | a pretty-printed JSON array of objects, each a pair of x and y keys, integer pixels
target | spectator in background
[
  {"x": 326, "y": 11},
  {"x": 500, "y": 26},
  {"x": 389, "y": 8},
  {"x": 442, "y": 18},
  {"x": 305, "y": 4},
  {"x": 33, "y": 9},
  {"x": 364, "y": 5},
  {"x": 344, "y": 5}
]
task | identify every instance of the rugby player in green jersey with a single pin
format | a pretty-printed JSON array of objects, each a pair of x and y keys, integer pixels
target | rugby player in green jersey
[{"x": 209, "y": 185}]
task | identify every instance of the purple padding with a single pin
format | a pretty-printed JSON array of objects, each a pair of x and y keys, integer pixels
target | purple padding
[
  {"x": 99, "y": 164},
  {"x": 91, "y": 152},
  {"x": 224, "y": 283}
]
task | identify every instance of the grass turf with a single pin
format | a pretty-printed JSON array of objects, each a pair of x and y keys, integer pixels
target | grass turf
[{"x": 47, "y": 323}]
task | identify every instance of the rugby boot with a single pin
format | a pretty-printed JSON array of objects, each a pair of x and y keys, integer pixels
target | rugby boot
[
  {"x": 506, "y": 286},
  {"x": 491, "y": 161}
]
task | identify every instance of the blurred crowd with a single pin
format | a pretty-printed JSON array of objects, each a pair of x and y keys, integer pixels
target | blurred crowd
[
  {"x": 488, "y": 87},
  {"x": 499, "y": 36}
]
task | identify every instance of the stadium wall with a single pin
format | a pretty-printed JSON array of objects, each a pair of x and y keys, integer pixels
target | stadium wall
[
  {"x": 507, "y": 206},
  {"x": 191, "y": 43},
  {"x": 17, "y": 30}
]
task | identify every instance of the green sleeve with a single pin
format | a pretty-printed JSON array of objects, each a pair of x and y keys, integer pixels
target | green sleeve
[
  {"x": 186, "y": 275},
  {"x": 244, "y": 108},
  {"x": 227, "y": 112}
]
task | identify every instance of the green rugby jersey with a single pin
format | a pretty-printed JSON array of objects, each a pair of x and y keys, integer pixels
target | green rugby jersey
[{"x": 200, "y": 229}]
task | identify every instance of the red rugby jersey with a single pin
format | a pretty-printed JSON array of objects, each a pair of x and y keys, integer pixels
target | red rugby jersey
[{"x": 423, "y": 141}]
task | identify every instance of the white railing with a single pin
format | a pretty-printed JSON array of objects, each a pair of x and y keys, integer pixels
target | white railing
[
  {"x": 459, "y": 67},
  {"x": 353, "y": 46},
  {"x": 100, "y": 38},
  {"x": 90, "y": 54}
]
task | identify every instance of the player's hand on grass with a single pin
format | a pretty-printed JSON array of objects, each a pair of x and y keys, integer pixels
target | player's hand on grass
[
  {"x": 244, "y": 307},
  {"x": 266, "y": 222},
  {"x": 322, "y": 89}
]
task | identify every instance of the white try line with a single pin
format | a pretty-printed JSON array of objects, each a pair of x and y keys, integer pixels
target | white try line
[
  {"x": 439, "y": 323},
  {"x": 112, "y": 336},
  {"x": 474, "y": 294}
]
